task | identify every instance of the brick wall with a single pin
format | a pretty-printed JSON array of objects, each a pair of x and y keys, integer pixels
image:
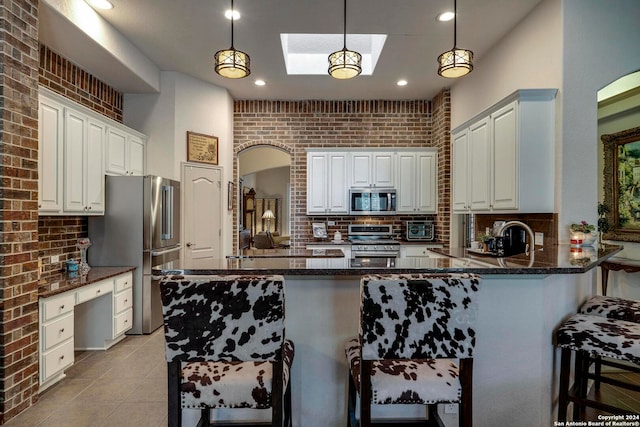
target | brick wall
[
  {"x": 63, "y": 77},
  {"x": 18, "y": 205},
  {"x": 294, "y": 126},
  {"x": 59, "y": 234}
]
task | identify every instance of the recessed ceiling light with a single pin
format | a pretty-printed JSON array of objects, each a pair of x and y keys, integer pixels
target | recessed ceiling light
[
  {"x": 260, "y": 82},
  {"x": 232, "y": 13},
  {"x": 402, "y": 83},
  {"x": 100, "y": 4},
  {"x": 445, "y": 16}
]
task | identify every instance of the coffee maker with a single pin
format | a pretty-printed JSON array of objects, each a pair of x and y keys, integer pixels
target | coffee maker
[{"x": 512, "y": 242}]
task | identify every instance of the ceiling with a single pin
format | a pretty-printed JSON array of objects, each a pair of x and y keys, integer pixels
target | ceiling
[{"x": 183, "y": 35}]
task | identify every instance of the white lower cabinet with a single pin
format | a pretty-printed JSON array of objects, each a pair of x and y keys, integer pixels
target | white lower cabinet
[{"x": 92, "y": 317}]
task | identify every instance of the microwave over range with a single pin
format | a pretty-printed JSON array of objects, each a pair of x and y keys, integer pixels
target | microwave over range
[{"x": 372, "y": 201}]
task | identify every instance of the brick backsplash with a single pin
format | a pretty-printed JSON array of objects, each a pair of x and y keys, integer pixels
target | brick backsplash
[
  {"x": 294, "y": 126},
  {"x": 58, "y": 235}
]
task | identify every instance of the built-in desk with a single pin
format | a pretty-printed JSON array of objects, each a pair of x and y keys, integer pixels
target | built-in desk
[{"x": 81, "y": 312}]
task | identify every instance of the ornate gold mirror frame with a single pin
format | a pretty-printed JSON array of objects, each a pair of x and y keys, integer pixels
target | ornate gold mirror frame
[{"x": 622, "y": 184}]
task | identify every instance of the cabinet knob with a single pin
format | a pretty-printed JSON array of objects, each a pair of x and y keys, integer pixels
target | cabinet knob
[
  {"x": 98, "y": 291},
  {"x": 62, "y": 307},
  {"x": 62, "y": 330},
  {"x": 62, "y": 357},
  {"x": 189, "y": 244},
  {"x": 39, "y": 205}
]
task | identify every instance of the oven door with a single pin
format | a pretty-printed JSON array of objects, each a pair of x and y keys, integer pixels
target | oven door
[{"x": 374, "y": 254}]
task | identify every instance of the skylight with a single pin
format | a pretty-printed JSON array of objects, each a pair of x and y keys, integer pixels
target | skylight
[{"x": 306, "y": 54}]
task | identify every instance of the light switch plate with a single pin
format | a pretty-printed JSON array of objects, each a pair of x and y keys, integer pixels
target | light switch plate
[
  {"x": 331, "y": 223},
  {"x": 450, "y": 408},
  {"x": 539, "y": 239},
  {"x": 55, "y": 258}
]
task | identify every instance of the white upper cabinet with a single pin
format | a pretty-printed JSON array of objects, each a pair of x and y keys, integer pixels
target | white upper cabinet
[
  {"x": 125, "y": 152},
  {"x": 417, "y": 181},
  {"x": 50, "y": 155},
  {"x": 71, "y": 156},
  {"x": 84, "y": 165},
  {"x": 503, "y": 159},
  {"x": 372, "y": 169},
  {"x": 327, "y": 183}
]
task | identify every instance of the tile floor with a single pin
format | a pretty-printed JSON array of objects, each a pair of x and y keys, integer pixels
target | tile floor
[
  {"x": 123, "y": 386},
  {"x": 126, "y": 386}
]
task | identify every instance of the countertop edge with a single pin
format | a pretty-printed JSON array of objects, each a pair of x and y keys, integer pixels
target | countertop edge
[{"x": 65, "y": 283}]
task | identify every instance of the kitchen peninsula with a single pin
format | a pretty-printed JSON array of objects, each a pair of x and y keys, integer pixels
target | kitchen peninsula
[{"x": 522, "y": 300}]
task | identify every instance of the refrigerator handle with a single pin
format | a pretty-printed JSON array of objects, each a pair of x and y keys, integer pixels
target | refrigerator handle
[
  {"x": 167, "y": 212},
  {"x": 166, "y": 251}
]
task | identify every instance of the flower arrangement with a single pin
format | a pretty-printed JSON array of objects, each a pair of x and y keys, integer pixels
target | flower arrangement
[{"x": 583, "y": 227}]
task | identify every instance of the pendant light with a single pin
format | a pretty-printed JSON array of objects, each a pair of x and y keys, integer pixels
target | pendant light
[
  {"x": 232, "y": 63},
  {"x": 455, "y": 62},
  {"x": 345, "y": 64}
]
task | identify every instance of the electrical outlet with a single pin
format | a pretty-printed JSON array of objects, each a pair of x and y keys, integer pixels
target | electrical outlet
[
  {"x": 451, "y": 408},
  {"x": 331, "y": 223},
  {"x": 55, "y": 258},
  {"x": 539, "y": 239}
]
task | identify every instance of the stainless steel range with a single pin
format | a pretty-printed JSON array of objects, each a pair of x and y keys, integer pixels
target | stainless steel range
[{"x": 373, "y": 241}]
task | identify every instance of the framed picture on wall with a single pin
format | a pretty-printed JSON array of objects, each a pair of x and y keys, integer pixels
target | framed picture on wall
[{"x": 202, "y": 148}]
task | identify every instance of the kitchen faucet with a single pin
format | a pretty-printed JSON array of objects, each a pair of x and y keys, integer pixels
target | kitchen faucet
[{"x": 528, "y": 229}]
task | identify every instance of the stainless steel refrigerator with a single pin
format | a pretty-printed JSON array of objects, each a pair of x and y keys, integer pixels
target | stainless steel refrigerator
[{"x": 141, "y": 228}]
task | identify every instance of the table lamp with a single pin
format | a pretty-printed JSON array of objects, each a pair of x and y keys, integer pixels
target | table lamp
[{"x": 268, "y": 215}]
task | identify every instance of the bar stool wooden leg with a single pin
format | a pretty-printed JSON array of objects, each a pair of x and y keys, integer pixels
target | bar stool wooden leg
[{"x": 563, "y": 396}]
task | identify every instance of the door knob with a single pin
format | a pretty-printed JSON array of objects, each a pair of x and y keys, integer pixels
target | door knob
[{"x": 189, "y": 244}]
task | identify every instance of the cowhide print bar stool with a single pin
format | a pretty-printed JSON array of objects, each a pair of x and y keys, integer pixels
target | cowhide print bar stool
[
  {"x": 611, "y": 308},
  {"x": 226, "y": 346},
  {"x": 593, "y": 336},
  {"x": 412, "y": 328}
]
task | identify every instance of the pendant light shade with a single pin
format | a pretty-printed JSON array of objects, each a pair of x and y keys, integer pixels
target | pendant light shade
[
  {"x": 455, "y": 62},
  {"x": 232, "y": 63},
  {"x": 345, "y": 64}
]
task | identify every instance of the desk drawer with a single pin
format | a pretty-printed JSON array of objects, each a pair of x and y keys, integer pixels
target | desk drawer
[
  {"x": 123, "y": 300},
  {"x": 56, "y": 306},
  {"x": 94, "y": 291},
  {"x": 56, "y": 360},
  {"x": 57, "y": 332},
  {"x": 123, "y": 282},
  {"x": 123, "y": 322}
]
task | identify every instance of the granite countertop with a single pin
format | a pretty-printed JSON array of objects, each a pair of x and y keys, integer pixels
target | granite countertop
[
  {"x": 61, "y": 282},
  {"x": 433, "y": 243},
  {"x": 553, "y": 259},
  {"x": 289, "y": 253}
]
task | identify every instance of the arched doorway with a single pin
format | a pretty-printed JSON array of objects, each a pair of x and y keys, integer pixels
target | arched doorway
[{"x": 265, "y": 168}]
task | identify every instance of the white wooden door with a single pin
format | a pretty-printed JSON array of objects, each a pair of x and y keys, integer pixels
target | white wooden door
[
  {"x": 480, "y": 166},
  {"x": 427, "y": 182},
  {"x": 136, "y": 151},
  {"x": 360, "y": 170},
  {"x": 317, "y": 179},
  {"x": 95, "y": 167},
  {"x": 460, "y": 159},
  {"x": 116, "y": 152},
  {"x": 382, "y": 170},
  {"x": 505, "y": 157},
  {"x": 50, "y": 152},
  {"x": 406, "y": 182},
  {"x": 337, "y": 190},
  {"x": 202, "y": 189},
  {"x": 74, "y": 161}
]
